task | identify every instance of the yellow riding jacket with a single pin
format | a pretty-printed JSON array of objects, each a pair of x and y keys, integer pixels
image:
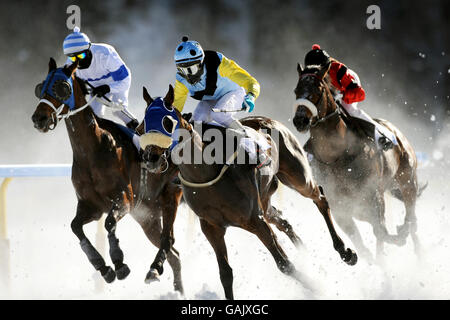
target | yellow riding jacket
[{"x": 220, "y": 76}]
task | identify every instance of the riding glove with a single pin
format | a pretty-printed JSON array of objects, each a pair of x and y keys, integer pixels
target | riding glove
[
  {"x": 249, "y": 102},
  {"x": 100, "y": 91}
]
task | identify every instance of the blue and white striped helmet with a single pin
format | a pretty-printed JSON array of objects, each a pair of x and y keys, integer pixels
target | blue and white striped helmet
[
  {"x": 188, "y": 51},
  {"x": 76, "y": 42}
]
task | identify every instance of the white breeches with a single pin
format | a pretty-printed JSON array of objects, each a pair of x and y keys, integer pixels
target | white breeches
[
  {"x": 99, "y": 108},
  {"x": 230, "y": 101}
]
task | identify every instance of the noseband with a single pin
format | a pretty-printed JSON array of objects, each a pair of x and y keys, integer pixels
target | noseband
[
  {"x": 315, "y": 120},
  {"x": 165, "y": 156}
]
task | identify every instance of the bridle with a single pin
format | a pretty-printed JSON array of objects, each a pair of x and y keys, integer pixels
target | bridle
[
  {"x": 165, "y": 156},
  {"x": 57, "y": 115},
  {"x": 312, "y": 107}
]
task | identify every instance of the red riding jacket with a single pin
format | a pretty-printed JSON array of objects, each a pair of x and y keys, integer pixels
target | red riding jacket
[{"x": 344, "y": 81}]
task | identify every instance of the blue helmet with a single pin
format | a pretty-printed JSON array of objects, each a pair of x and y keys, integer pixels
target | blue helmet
[
  {"x": 188, "y": 52},
  {"x": 189, "y": 57}
]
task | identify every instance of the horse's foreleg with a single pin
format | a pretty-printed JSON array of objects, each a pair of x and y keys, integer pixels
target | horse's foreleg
[
  {"x": 409, "y": 190},
  {"x": 152, "y": 229},
  {"x": 216, "y": 237},
  {"x": 115, "y": 252},
  {"x": 170, "y": 198},
  {"x": 347, "y": 255},
  {"x": 273, "y": 216},
  {"x": 84, "y": 215},
  {"x": 348, "y": 225},
  {"x": 262, "y": 230},
  {"x": 379, "y": 224}
]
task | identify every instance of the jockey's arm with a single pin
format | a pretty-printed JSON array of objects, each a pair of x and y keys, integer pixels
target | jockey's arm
[
  {"x": 119, "y": 73},
  {"x": 181, "y": 92},
  {"x": 347, "y": 83},
  {"x": 230, "y": 69}
]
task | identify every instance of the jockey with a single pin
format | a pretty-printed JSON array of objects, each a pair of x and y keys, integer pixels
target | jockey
[
  {"x": 220, "y": 84},
  {"x": 347, "y": 83},
  {"x": 101, "y": 66}
]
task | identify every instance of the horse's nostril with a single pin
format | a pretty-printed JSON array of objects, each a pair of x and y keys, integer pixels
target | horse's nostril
[
  {"x": 39, "y": 118},
  {"x": 153, "y": 158},
  {"x": 300, "y": 121}
]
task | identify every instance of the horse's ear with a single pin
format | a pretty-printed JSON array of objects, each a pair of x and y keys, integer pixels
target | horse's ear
[
  {"x": 299, "y": 69},
  {"x": 146, "y": 96},
  {"x": 72, "y": 68},
  {"x": 170, "y": 97},
  {"x": 51, "y": 65}
]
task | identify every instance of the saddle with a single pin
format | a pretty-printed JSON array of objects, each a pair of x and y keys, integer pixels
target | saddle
[{"x": 261, "y": 142}]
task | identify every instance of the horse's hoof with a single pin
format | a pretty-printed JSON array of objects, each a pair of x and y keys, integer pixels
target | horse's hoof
[
  {"x": 350, "y": 257},
  {"x": 122, "y": 272},
  {"x": 152, "y": 276},
  {"x": 402, "y": 232},
  {"x": 109, "y": 276}
]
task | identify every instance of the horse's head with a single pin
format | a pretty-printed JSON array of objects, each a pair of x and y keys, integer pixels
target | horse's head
[
  {"x": 160, "y": 122},
  {"x": 312, "y": 94},
  {"x": 56, "y": 96}
]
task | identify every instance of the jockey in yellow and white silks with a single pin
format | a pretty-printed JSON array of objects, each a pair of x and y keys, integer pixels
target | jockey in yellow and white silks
[
  {"x": 220, "y": 84},
  {"x": 223, "y": 89},
  {"x": 215, "y": 80}
]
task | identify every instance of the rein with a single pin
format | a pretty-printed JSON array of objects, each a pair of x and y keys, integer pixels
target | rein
[
  {"x": 213, "y": 181},
  {"x": 57, "y": 116}
]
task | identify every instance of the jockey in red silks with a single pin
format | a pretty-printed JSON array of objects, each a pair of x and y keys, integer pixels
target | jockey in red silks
[{"x": 348, "y": 89}]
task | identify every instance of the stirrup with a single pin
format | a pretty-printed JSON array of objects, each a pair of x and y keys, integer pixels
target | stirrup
[
  {"x": 133, "y": 124},
  {"x": 385, "y": 143}
]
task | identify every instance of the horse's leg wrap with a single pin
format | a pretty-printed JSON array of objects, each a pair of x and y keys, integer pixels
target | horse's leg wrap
[
  {"x": 94, "y": 257},
  {"x": 115, "y": 252},
  {"x": 158, "y": 263},
  {"x": 97, "y": 261}
]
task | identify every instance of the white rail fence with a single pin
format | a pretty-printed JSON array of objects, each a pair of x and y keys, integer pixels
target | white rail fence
[{"x": 8, "y": 173}]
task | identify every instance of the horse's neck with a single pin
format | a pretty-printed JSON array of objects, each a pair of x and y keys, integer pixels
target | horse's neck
[
  {"x": 195, "y": 169},
  {"x": 330, "y": 139},
  {"x": 82, "y": 127}
]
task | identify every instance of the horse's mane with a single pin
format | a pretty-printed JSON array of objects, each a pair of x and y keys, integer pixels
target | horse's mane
[
  {"x": 315, "y": 69},
  {"x": 82, "y": 85}
]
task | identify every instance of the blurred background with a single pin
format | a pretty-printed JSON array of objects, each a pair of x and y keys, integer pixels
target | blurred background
[{"x": 404, "y": 68}]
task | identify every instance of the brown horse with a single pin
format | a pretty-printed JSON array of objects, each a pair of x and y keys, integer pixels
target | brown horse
[
  {"x": 107, "y": 176},
  {"x": 238, "y": 194},
  {"x": 355, "y": 174}
]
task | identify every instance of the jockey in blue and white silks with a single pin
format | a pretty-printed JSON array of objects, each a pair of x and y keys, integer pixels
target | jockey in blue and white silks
[{"x": 104, "y": 69}]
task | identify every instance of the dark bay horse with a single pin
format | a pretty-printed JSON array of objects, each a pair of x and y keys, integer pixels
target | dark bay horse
[
  {"x": 354, "y": 173},
  {"x": 237, "y": 195},
  {"x": 107, "y": 176}
]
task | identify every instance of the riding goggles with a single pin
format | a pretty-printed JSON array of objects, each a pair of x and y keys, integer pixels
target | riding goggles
[
  {"x": 189, "y": 70},
  {"x": 79, "y": 56}
]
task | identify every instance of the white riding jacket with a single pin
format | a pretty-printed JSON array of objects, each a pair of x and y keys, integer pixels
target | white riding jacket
[{"x": 107, "y": 67}]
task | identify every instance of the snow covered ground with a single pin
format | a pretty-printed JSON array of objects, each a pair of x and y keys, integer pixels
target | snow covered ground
[{"x": 47, "y": 262}]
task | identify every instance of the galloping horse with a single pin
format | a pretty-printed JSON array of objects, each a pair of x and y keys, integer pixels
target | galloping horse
[
  {"x": 349, "y": 166},
  {"x": 238, "y": 195},
  {"x": 107, "y": 176}
]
